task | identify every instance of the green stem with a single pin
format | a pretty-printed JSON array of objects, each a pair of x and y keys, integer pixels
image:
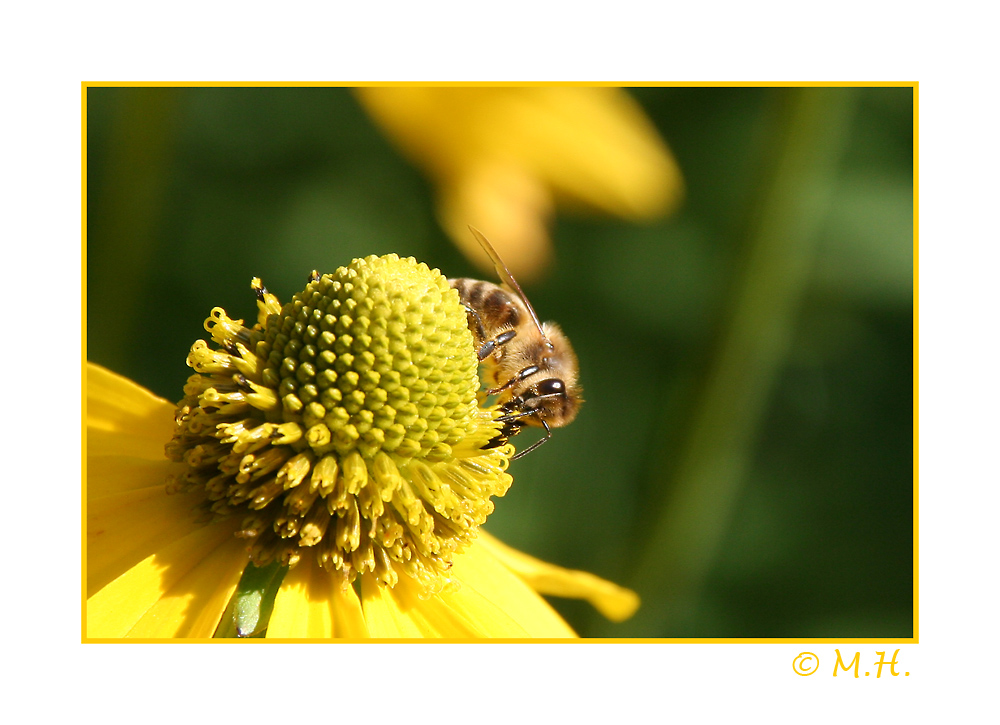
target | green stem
[
  {"x": 249, "y": 609},
  {"x": 675, "y": 559}
]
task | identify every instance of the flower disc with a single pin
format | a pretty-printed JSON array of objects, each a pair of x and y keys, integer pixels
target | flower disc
[{"x": 346, "y": 423}]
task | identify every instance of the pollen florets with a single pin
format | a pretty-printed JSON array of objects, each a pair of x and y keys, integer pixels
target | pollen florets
[{"x": 345, "y": 423}]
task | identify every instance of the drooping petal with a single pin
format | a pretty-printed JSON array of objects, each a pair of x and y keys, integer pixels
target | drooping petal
[
  {"x": 312, "y": 604},
  {"x": 614, "y": 602},
  {"x": 513, "y": 203},
  {"x": 180, "y": 591},
  {"x": 594, "y": 145}
]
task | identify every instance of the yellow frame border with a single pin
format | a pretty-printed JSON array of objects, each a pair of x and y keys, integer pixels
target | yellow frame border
[{"x": 915, "y": 85}]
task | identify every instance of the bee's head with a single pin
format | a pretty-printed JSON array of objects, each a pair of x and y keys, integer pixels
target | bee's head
[{"x": 551, "y": 400}]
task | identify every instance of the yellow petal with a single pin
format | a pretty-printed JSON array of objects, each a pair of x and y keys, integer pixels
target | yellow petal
[
  {"x": 180, "y": 591},
  {"x": 383, "y": 615},
  {"x": 124, "y": 418},
  {"x": 298, "y": 610},
  {"x": 128, "y": 527},
  {"x": 311, "y": 603},
  {"x": 194, "y": 606},
  {"x": 500, "y": 155},
  {"x": 108, "y": 475},
  {"x": 594, "y": 145},
  {"x": 348, "y": 616},
  {"x": 513, "y": 204},
  {"x": 489, "y": 602},
  {"x": 481, "y": 572},
  {"x": 614, "y": 602},
  {"x": 460, "y": 614},
  {"x": 103, "y": 442},
  {"x": 432, "y": 126}
]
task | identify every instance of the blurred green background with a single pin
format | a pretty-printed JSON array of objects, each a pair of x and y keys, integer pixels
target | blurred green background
[{"x": 744, "y": 459}]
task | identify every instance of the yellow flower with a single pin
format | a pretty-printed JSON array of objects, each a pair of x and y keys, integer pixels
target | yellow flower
[
  {"x": 339, "y": 441},
  {"x": 501, "y": 159}
]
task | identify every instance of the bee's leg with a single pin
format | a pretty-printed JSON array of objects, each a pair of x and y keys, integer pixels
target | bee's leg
[
  {"x": 512, "y": 425},
  {"x": 479, "y": 330},
  {"x": 501, "y": 438},
  {"x": 487, "y": 348},
  {"x": 477, "y": 323},
  {"x": 515, "y": 415},
  {"x": 533, "y": 446},
  {"x": 525, "y": 372}
]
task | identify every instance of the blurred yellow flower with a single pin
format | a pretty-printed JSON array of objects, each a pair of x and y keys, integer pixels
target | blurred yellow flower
[
  {"x": 340, "y": 436},
  {"x": 502, "y": 158}
]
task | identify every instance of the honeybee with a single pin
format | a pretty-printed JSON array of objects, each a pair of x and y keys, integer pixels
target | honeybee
[{"x": 530, "y": 365}]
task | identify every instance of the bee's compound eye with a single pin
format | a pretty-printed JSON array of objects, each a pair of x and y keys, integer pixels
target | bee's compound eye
[{"x": 552, "y": 386}]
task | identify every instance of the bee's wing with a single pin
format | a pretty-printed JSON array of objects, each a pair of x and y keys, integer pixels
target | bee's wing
[{"x": 507, "y": 277}]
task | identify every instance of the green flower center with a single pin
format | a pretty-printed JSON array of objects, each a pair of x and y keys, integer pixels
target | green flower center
[{"x": 345, "y": 423}]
